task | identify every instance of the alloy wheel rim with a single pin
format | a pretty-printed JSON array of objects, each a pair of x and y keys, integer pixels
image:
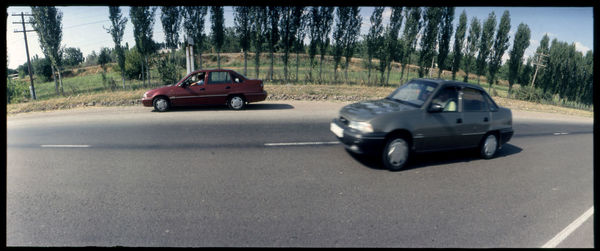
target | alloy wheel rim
[
  {"x": 489, "y": 147},
  {"x": 161, "y": 104},
  {"x": 397, "y": 152},
  {"x": 236, "y": 102}
]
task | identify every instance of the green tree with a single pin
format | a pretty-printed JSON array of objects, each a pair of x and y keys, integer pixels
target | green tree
[
  {"x": 142, "y": 18},
  {"x": 289, "y": 24},
  {"x": 472, "y": 46},
  {"x": 300, "y": 21},
  {"x": 314, "y": 24},
  {"x": 391, "y": 49},
  {"x": 520, "y": 44},
  {"x": 217, "y": 30},
  {"x": 445, "y": 35},
  {"x": 342, "y": 23},
  {"x": 326, "y": 14},
  {"x": 193, "y": 24},
  {"x": 259, "y": 28},
  {"x": 433, "y": 16},
  {"x": 485, "y": 44},
  {"x": 170, "y": 20},
  {"x": 409, "y": 37},
  {"x": 42, "y": 67},
  {"x": 459, "y": 39},
  {"x": 47, "y": 22},
  {"x": 104, "y": 58},
  {"x": 500, "y": 46},
  {"x": 544, "y": 80},
  {"x": 117, "y": 30},
  {"x": 374, "y": 38},
  {"x": 350, "y": 38},
  {"x": 272, "y": 34},
  {"x": 72, "y": 56},
  {"x": 242, "y": 24}
]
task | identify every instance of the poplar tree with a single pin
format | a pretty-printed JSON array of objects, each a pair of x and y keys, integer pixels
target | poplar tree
[
  {"x": 446, "y": 29},
  {"x": 351, "y": 36},
  {"x": 409, "y": 37},
  {"x": 300, "y": 22},
  {"x": 520, "y": 44},
  {"x": 432, "y": 18},
  {"x": 485, "y": 44},
  {"x": 243, "y": 28},
  {"x": 258, "y": 16},
  {"x": 117, "y": 30},
  {"x": 289, "y": 23},
  {"x": 341, "y": 26},
  {"x": 459, "y": 39},
  {"x": 193, "y": 24},
  {"x": 326, "y": 14},
  {"x": 142, "y": 18},
  {"x": 374, "y": 38},
  {"x": 170, "y": 21},
  {"x": 272, "y": 34},
  {"x": 47, "y": 23},
  {"x": 472, "y": 46},
  {"x": 314, "y": 22},
  {"x": 391, "y": 48},
  {"x": 218, "y": 32},
  {"x": 500, "y": 46}
]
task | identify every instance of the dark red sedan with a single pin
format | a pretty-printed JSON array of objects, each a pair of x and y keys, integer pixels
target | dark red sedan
[{"x": 207, "y": 87}]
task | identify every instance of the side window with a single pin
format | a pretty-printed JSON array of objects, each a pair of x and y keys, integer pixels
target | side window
[
  {"x": 447, "y": 98},
  {"x": 219, "y": 77},
  {"x": 236, "y": 78},
  {"x": 473, "y": 101},
  {"x": 491, "y": 104}
]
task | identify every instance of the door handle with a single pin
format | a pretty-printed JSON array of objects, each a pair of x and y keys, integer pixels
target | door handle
[
  {"x": 485, "y": 119},
  {"x": 228, "y": 87},
  {"x": 458, "y": 121}
]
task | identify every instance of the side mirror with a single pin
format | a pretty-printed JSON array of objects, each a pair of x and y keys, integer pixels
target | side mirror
[
  {"x": 237, "y": 80},
  {"x": 435, "y": 107}
]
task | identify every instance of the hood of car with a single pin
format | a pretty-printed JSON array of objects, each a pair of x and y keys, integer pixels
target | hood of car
[
  {"x": 367, "y": 110},
  {"x": 160, "y": 90}
]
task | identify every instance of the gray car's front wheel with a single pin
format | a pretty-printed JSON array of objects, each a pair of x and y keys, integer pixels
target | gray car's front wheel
[
  {"x": 489, "y": 146},
  {"x": 161, "y": 104},
  {"x": 396, "y": 153}
]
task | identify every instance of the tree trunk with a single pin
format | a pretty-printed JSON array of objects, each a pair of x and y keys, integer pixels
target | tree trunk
[
  {"x": 271, "y": 69},
  {"x": 218, "y": 60},
  {"x": 55, "y": 81},
  {"x": 369, "y": 72},
  {"x": 389, "y": 69},
  {"x": 321, "y": 69},
  {"x": 143, "y": 74},
  {"x": 123, "y": 78},
  {"x": 297, "y": 63},
  {"x": 62, "y": 92},
  {"x": 257, "y": 63},
  {"x": 346, "y": 72},
  {"x": 245, "y": 62}
]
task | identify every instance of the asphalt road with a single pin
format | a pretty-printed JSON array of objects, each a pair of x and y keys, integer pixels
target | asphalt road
[{"x": 274, "y": 176}]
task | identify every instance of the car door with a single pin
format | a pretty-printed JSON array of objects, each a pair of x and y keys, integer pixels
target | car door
[
  {"x": 218, "y": 87},
  {"x": 190, "y": 91},
  {"x": 476, "y": 117},
  {"x": 438, "y": 129}
]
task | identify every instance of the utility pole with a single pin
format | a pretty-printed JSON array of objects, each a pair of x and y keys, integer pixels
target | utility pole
[
  {"x": 538, "y": 62},
  {"x": 32, "y": 87}
]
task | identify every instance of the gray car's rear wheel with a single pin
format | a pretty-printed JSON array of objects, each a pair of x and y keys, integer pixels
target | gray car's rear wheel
[
  {"x": 396, "y": 153},
  {"x": 161, "y": 104},
  {"x": 489, "y": 146}
]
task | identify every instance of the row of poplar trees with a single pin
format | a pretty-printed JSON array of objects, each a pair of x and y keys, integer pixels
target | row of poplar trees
[{"x": 478, "y": 46}]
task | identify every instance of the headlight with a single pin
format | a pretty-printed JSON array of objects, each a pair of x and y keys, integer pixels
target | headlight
[
  {"x": 361, "y": 126},
  {"x": 145, "y": 94}
]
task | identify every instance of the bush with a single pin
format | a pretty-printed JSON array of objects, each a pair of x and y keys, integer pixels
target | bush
[
  {"x": 167, "y": 70},
  {"x": 133, "y": 64},
  {"x": 16, "y": 91}
]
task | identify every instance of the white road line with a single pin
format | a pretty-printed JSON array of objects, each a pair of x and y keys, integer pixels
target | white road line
[
  {"x": 569, "y": 229},
  {"x": 302, "y": 143},
  {"x": 65, "y": 145},
  {"x": 561, "y": 133}
]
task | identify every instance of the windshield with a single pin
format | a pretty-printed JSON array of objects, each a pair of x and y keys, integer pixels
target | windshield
[{"x": 413, "y": 93}]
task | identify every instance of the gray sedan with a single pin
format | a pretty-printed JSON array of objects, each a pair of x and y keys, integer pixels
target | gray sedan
[{"x": 424, "y": 115}]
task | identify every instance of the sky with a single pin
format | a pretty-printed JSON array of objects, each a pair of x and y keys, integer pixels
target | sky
[{"x": 83, "y": 27}]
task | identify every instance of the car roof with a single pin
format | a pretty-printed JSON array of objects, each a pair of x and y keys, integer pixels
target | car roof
[{"x": 443, "y": 82}]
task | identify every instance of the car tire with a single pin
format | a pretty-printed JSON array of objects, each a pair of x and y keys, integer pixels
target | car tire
[
  {"x": 161, "y": 104},
  {"x": 488, "y": 146},
  {"x": 236, "y": 102},
  {"x": 396, "y": 153}
]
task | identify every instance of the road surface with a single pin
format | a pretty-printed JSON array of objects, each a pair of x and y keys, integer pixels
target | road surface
[{"x": 273, "y": 175}]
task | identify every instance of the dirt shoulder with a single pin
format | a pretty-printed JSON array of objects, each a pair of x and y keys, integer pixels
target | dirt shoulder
[{"x": 300, "y": 92}]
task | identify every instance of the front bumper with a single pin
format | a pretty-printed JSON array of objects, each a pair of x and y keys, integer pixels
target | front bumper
[
  {"x": 357, "y": 141},
  {"x": 506, "y": 135},
  {"x": 147, "y": 101}
]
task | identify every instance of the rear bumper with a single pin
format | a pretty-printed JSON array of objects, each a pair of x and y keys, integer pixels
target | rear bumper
[
  {"x": 256, "y": 97},
  {"x": 358, "y": 142}
]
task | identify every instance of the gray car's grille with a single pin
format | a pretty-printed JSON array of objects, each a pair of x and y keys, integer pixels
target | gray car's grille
[{"x": 343, "y": 120}]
